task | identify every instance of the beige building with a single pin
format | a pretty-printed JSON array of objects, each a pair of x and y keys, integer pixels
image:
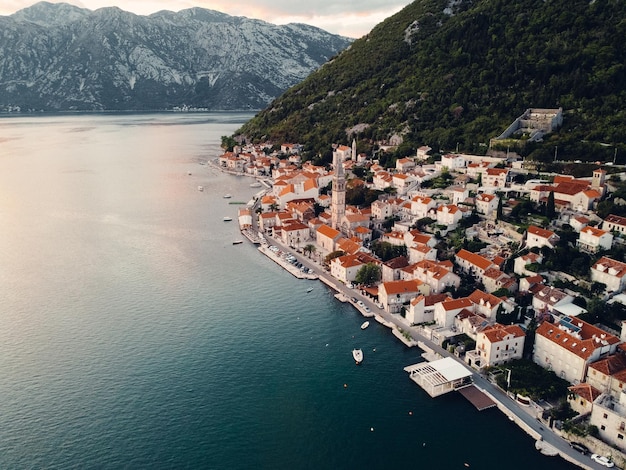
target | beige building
[
  {"x": 609, "y": 416},
  {"x": 610, "y": 272},
  {"x": 568, "y": 346},
  {"x": 497, "y": 344},
  {"x": 394, "y": 295}
]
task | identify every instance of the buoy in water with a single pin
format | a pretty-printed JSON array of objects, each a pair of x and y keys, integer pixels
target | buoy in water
[
  {"x": 372, "y": 429},
  {"x": 410, "y": 413},
  {"x": 345, "y": 385}
]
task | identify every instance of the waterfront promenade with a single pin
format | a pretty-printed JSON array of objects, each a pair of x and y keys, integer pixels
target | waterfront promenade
[{"x": 547, "y": 441}]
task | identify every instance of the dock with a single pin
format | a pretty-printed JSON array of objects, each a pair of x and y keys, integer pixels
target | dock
[
  {"x": 440, "y": 376},
  {"x": 476, "y": 397}
]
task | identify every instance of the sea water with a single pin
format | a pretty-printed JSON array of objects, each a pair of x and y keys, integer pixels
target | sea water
[{"x": 134, "y": 334}]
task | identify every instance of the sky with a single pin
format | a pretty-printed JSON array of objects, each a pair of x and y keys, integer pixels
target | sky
[{"x": 351, "y": 18}]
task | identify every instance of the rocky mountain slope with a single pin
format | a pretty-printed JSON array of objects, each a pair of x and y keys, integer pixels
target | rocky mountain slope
[
  {"x": 452, "y": 74},
  {"x": 61, "y": 57}
]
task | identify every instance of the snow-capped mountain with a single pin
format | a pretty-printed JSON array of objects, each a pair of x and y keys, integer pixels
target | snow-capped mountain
[{"x": 61, "y": 57}]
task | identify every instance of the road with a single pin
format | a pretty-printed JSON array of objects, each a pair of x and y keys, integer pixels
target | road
[{"x": 525, "y": 417}]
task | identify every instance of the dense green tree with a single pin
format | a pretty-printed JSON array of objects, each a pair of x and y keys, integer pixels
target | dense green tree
[
  {"x": 457, "y": 80},
  {"x": 550, "y": 208},
  {"x": 386, "y": 251},
  {"x": 369, "y": 274}
]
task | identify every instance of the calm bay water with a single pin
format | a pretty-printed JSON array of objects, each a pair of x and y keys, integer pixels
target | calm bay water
[{"x": 133, "y": 334}]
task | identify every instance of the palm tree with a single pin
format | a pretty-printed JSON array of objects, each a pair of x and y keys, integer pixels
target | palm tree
[{"x": 310, "y": 248}]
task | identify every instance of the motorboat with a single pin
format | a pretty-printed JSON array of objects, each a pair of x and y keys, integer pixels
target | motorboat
[
  {"x": 357, "y": 354},
  {"x": 200, "y": 188},
  {"x": 309, "y": 289},
  {"x": 237, "y": 242},
  {"x": 255, "y": 185},
  {"x": 227, "y": 219},
  {"x": 227, "y": 196},
  {"x": 365, "y": 325}
]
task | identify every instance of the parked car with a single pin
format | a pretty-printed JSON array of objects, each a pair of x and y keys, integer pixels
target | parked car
[
  {"x": 579, "y": 447},
  {"x": 602, "y": 460}
]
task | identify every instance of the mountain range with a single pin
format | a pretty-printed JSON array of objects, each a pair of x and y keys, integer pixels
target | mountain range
[
  {"x": 60, "y": 57},
  {"x": 452, "y": 74}
]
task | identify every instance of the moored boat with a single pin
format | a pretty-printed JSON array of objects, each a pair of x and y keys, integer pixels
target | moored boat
[
  {"x": 309, "y": 289},
  {"x": 227, "y": 196},
  {"x": 255, "y": 185},
  {"x": 200, "y": 188},
  {"x": 365, "y": 324},
  {"x": 227, "y": 219},
  {"x": 357, "y": 354},
  {"x": 237, "y": 242}
]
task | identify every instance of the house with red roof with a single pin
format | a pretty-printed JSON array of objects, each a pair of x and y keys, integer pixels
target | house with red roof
[
  {"x": 421, "y": 206},
  {"x": 472, "y": 262},
  {"x": 610, "y": 272},
  {"x": 520, "y": 263},
  {"x": 581, "y": 397},
  {"x": 327, "y": 237},
  {"x": 382, "y": 180},
  {"x": 402, "y": 182},
  {"x": 568, "y": 193},
  {"x": 608, "y": 375},
  {"x": 592, "y": 240},
  {"x": 539, "y": 237},
  {"x": 405, "y": 164},
  {"x": 570, "y": 345},
  {"x": 392, "y": 268},
  {"x": 553, "y": 300},
  {"x": 579, "y": 222},
  {"x": 422, "y": 308},
  {"x": 614, "y": 223},
  {"x": 495, "y": 177},
  {"x": 486, "y": 204},
  {"x": 437, "y": 274},
  {"x": 394, "y": 295},
  {"x": 382, "y": 210},
  {"x": 449, "y": 215},
  {"x": 446, "y": 311},
  {"x": 497, "y": 344},
  {"x": 294, "y": 233}
]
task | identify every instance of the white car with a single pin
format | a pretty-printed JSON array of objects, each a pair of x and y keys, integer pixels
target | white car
[{"x": 602, "y": 460}]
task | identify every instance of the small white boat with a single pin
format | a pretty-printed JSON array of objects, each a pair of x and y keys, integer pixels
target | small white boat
[
  {"x": 227, "y": 196},
  {"x": 227, "y": 219},
  {"x": 237, "y": 242},
  {"x": 357, "y": 354},
  {"x": 255, "y": 185},
  {"x": 309, "y": 289},
  {"x": 200, "y": 188},
  {"x": 365, "y": 325}
]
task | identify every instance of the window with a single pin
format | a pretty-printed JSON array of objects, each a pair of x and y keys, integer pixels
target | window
[
  {"x": 605, "y": 416},
  {"x": 603, "y": 427},
  {"x": 620, "y": 437}
]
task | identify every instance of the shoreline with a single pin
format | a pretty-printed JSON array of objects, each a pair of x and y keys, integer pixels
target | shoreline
[{"x": 412, "y": 336}]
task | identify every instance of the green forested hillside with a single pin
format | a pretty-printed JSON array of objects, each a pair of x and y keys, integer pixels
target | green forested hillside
[{"x": 457, "y": 80}]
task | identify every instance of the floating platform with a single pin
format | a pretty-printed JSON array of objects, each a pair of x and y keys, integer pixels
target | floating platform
[{"x": 477, "y": 398}]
